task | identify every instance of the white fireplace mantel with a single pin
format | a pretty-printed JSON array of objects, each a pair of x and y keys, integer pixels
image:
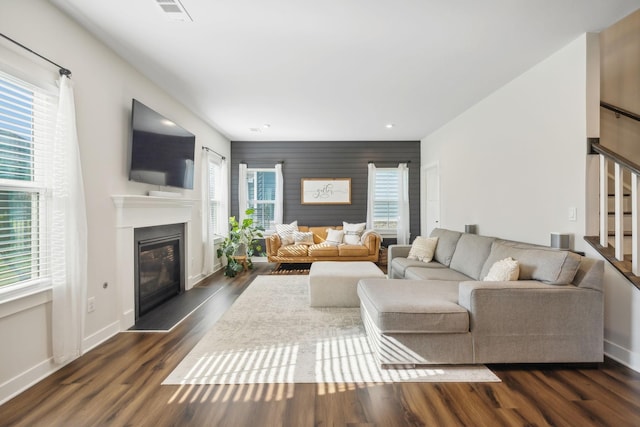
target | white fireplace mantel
[
  {"x": 144, "y": 211},
  {"x": 134, "y": 211}
]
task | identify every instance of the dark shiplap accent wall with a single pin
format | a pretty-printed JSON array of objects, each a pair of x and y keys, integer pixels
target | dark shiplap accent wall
[{"x": 332, "y": 159}]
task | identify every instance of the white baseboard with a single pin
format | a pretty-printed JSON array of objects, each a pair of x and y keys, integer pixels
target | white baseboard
[
  {"x": 628, "y": 358},
  {"x": 94, "y": 340},
  {"x": 26, "y": 379}
]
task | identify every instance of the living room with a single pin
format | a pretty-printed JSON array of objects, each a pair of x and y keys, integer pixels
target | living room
[{"x": 521, "y": 191}]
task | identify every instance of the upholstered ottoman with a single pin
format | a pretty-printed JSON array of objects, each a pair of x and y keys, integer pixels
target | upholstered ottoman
[{"x": 334, "y": 283}]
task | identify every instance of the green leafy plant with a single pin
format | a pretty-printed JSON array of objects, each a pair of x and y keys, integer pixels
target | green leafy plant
[{"x": 242, "y": 241}]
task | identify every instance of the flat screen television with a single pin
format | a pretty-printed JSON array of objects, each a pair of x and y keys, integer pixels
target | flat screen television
[{"x": 162, "y": 153}]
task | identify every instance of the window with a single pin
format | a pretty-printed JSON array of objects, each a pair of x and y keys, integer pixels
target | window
[
  {"x": 261, "y": 191},
  {"x": 385, "y": 208},
  {"x": 27, "y": 117}
]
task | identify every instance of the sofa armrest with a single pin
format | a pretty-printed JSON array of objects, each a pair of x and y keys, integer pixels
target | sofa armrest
[
  {"x": 531, "y": 307},
  {"x": 372, "y": 242},
  {"x": 272, "y": 244},
  {"x": 395, "y": 251}
]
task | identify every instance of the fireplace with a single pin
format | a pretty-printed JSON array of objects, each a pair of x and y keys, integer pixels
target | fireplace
[{"x": 158, "y": 265}]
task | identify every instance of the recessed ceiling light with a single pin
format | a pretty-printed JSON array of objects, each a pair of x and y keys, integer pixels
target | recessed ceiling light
[
  {"x": 266, "y": 126},
  {"x": 255, "y": 129},
  {"x": 389, "y": 125},
  {"x": 167, "y": 122}
]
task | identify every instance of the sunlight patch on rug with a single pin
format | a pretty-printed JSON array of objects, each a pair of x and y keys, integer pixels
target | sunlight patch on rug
[{"x": 271, "y": 335}]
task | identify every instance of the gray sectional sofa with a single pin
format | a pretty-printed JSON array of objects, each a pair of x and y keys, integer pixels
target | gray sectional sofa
[{"x": 441, "y": 312}]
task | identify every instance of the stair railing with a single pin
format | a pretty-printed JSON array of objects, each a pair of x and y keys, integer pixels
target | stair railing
[{"x": 620, "y": 164}]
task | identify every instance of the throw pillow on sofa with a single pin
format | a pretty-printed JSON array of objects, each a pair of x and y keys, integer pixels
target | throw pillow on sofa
[
  {"x": 303, "y": 238},
  {"x": 353, "y": 232},
  {"x": 334, "y": 237},
  {"x": 285, "y": 231},
  {"x": 505, "y": 270},
  {"x": 423, "y": 248}
]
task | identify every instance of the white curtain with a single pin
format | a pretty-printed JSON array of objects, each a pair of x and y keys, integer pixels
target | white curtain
[
  {"x": 371, "y": 195},
  {"x": 220, "y": 181},
  {"x": 278, "y": 210},
  {"x": 243, "y": 193},
  {"x": 403, "y": 204},
  {"x": 68, "y": 233},
  {"x": 223, "y": 207},
  {"x": 207, "y": 233}
]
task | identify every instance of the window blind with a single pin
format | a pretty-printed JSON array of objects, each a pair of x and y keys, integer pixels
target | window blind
[
  {"x": 27, "y": 125},
  {"x": 385, "y": 212}
]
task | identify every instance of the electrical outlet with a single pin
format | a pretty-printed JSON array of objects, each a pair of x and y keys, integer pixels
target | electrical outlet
[{"x": 91, "y": 304}]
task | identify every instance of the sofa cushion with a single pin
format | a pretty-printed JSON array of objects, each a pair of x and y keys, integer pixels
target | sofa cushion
[
  {"x": 353, "y": 250},
  {"x": 447, "y": 240},
  {"x": 504, "y": 270},
  {"x": 285, "y": 231},
  {"x": 547, "y": 265},
  {"x": 471, "y": 254},
  {"x": 409, "y": 306},
  {"x": 352, "y": 232},
  {"x": 400, "y": 264},
  {"x": 423, "y": 248},
  {"x": 303, "y": 238},
  {"x": 334, "y": 237},
  {"x": 293, "y": 251},
  {"x": 323, "y": 249},
  {"x": 421, "y": 273}
]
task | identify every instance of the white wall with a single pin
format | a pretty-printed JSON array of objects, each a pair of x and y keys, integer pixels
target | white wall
[
  {"x": 516, "y": 162},
  {"x": 104, "y": 87}
]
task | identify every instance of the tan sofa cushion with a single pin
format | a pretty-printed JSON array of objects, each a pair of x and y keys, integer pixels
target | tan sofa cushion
[
  {"x": 293, "y": 250},
  {"x": 322, "y": 249},
  {"x": 353, "y": 250}
]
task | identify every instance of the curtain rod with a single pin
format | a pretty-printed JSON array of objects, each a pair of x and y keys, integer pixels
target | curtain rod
[
  {"x": 214, "y": 152},
  {"x": 62, "y": 70},
  {"x": 244, "y": 162},
  {"x": 388, "y": 161}
]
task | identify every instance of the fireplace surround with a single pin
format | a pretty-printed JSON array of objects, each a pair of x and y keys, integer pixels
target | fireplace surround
[
  {"x": 134, "y": 212},
  {"x": 158, "y": 264}
]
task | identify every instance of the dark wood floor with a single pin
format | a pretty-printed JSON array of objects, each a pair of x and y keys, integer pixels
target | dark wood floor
[{"x": 118, "y": 384}]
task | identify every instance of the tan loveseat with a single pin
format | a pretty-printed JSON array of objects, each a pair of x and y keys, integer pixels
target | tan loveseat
[{"x": 368, "y": 250}]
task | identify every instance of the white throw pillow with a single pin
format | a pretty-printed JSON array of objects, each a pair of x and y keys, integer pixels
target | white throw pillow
[
  {"x": 334, "y": 237},
  {"x": 504, "y": 270},
  {"x": 303, "y": 237},
  {"x": 423, "y": 248},
  {"x": 353, "y": 232},
  {"x": 285, "y": 231}
]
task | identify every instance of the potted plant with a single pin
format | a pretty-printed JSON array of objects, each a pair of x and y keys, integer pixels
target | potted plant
[{"x": 241, "y": 244}]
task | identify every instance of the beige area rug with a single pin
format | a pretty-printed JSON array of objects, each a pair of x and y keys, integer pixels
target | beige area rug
[{"x": 271, "y": 335}]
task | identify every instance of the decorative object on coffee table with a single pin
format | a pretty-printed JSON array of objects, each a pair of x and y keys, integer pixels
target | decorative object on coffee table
[{"x": 240, "y": 245}]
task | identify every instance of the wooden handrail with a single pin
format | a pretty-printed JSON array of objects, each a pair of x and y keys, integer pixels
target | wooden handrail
[
  {"x": 620, "y": 111},
  {"x": 633, "y": 167}
]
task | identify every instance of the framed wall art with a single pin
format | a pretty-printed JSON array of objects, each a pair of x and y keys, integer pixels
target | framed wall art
[{"x": 325, "y": 191}]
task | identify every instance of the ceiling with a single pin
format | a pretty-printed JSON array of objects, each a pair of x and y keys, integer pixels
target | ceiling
[{"x": 302, "y": 70}]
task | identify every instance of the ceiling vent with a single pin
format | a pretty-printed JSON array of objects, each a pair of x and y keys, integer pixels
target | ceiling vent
[{"x": 174, "y": 10}]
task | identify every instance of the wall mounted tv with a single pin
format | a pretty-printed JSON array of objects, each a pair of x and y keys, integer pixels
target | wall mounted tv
[{"x": 162, "y": 153}]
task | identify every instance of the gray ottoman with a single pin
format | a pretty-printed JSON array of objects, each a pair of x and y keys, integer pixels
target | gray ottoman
[{"x": 334, "y": 283}]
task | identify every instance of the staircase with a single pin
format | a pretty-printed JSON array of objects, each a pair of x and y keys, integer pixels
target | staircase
[{"x": 619, "y": 229}]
